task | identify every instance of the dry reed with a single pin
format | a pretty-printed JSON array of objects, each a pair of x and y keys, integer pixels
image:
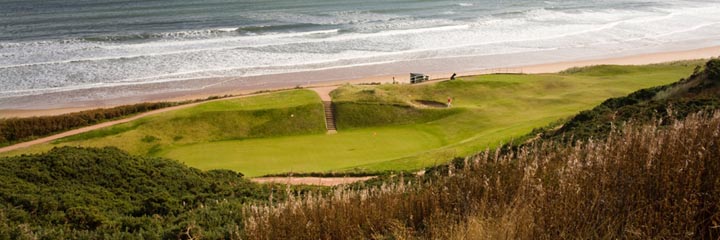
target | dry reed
[{"x": 643, "y": 181}]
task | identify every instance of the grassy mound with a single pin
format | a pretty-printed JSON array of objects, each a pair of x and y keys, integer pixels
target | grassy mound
[
  {"x": 15, "y": 130},
  {"x": 105, "y": 193},
  {"x": 278, "y": 114},
  {"x": 351, "y": 115},
  {"x": 699, "y": 92},
  {"x": 373, "y": 106}
]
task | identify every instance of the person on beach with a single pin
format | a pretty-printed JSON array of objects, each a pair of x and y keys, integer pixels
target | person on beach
[
  {"x": 453, "y": 76},
  {"x": 449, "y": 104}
]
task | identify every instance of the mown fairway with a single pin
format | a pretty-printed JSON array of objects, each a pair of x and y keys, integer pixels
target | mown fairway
[{"x": 380, "y": 127}]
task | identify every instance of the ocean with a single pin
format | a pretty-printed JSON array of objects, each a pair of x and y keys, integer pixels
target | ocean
[{"x": 51, "y": 46}]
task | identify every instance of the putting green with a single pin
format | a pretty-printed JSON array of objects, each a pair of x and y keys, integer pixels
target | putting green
[{"x": 309, "y": 153}]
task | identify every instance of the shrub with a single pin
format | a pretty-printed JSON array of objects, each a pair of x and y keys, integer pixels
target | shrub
[
  {"x": 713, "y": 69},
  {"x": 89, "y": 193},
  {"x": 22, "y": 129}
]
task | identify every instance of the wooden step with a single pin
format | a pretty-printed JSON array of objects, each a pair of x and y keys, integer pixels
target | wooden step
[{"x": 329, "y": 118}]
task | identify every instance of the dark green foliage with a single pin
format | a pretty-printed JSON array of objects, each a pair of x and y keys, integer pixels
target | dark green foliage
[
  {"x": 100, "y": 193},
  {"x": 350, "y": 115},
  {"x": 663, "y": 103},
  {"x": 149, "y": 139},
  {"x": 445, "y": 169},
  {"x": 22, "y": 129},
  {"x": 713, "y": 69},
  {"x": 154, "y": 149}
]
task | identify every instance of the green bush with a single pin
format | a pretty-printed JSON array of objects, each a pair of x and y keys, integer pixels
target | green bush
[
  {"x": 22, "y": 129},
  {"x": 713, "y": 69},
  {"x": 104, "y": 193}
]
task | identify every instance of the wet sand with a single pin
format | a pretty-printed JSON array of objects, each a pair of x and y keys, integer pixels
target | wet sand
[{"x": 83, "y": 99}]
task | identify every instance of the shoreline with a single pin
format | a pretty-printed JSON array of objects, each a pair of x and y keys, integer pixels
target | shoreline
[{"x": 552, "y": 67}]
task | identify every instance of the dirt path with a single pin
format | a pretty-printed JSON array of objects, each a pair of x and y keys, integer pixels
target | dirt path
[
  {"x": 324, "y": 92},
  {"x": 320, "y": 181},
  {"x": 110, "y": 123}
]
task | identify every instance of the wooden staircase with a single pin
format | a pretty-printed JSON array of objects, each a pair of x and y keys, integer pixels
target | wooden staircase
[{"x": 329, "y": 118}]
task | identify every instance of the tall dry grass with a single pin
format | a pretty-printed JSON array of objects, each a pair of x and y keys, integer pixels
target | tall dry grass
[{"x": 643, "y": 181}]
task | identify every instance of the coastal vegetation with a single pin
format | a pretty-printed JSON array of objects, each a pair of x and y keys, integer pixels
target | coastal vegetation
[
  {"x": 699, "y": 92},
  {"x": 14, "y": 130},
  {"x": 381, "y": 127},
  {"x": 649, "y": 176},
  {"x": 101, "y": 193}
]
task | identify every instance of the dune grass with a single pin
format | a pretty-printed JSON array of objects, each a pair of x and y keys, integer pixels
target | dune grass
[{"x": 380, "y": 127}]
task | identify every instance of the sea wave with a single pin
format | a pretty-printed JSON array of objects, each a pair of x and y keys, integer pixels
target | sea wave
[
  {"x": 283, "y": 42},
  {"x": 205, "y": 33},
  {"x": 294, "y": 29}
]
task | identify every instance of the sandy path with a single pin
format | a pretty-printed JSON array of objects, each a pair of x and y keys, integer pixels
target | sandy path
[
  {"x": 324, "y": 92},
  {"x": 320, "y": 181},
  {"x": 110, "y": 123}
]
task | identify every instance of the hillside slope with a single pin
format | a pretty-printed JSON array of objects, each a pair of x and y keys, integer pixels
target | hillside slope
[
  {"x": 646, "y": 181},
  {"x": 101, "y": 193},
  {"x": 699, "y": 92},
  {"x": 655, "y": 175},
  {"x": 294, "y": 112}
]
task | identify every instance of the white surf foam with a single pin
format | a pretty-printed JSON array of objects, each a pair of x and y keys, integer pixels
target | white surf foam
[{"x": 359, "y": 38}]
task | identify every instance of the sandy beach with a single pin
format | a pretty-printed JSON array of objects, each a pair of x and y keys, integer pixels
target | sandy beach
[{"x": 78, "y": 100}]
